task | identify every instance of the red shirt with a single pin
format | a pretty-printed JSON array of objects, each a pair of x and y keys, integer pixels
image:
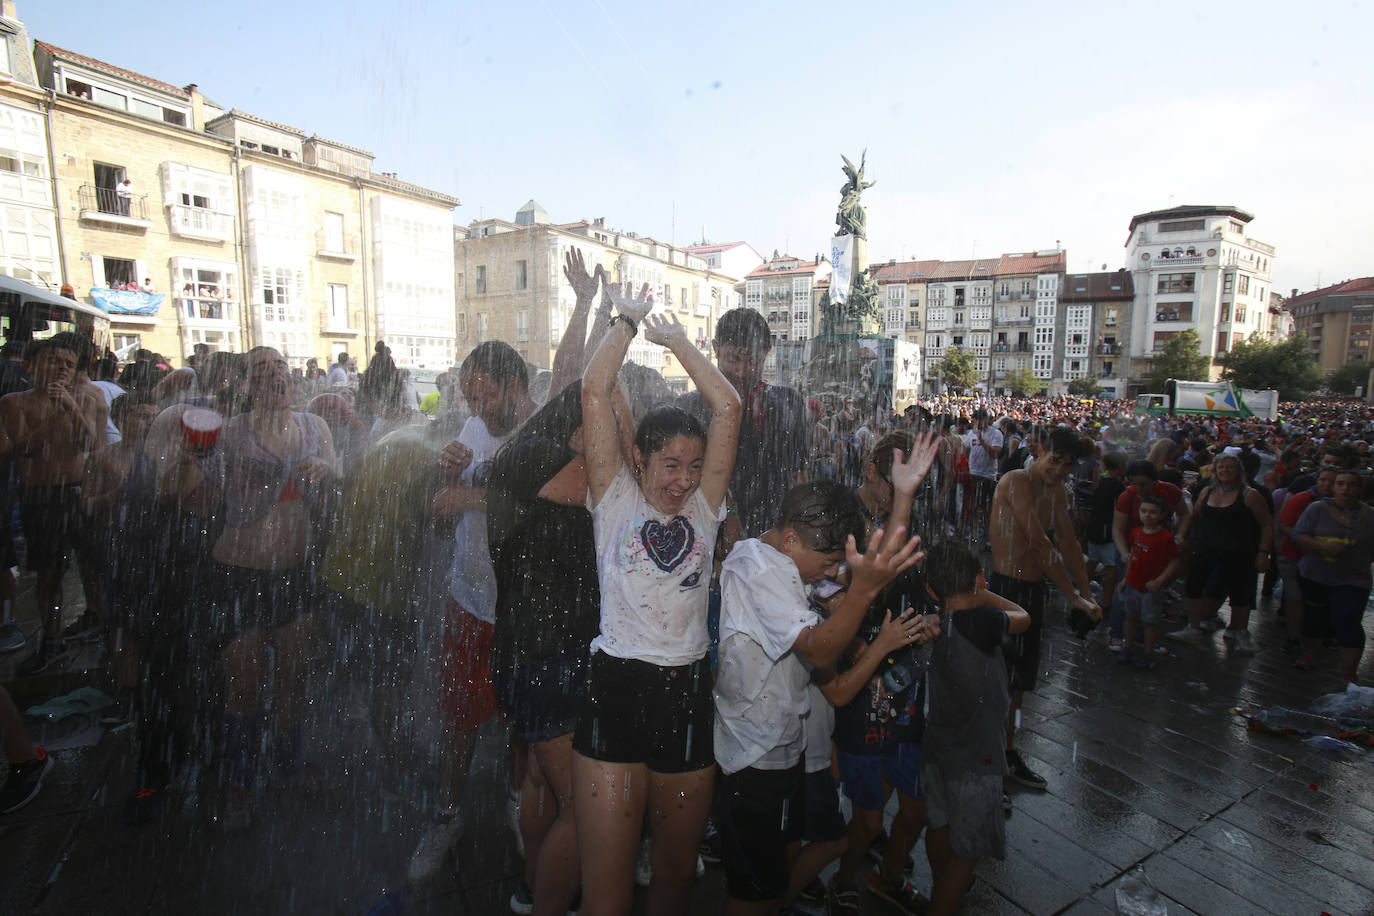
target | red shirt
[
  {"x": 1292, "y": 510},
  {"x": 1129, "y": 503},
  {"x": 1150, "y": 554}
]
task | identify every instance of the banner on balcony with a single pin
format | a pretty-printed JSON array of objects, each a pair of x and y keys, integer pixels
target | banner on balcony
[
  {"x": 127, "y": 301},
  {"x": 841, "y": 276}
]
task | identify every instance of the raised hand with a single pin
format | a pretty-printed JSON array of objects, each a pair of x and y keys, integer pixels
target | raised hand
[
  {"x": 877, "y": 566},
  {"x": 909, "y": 471},
  {"x": 454, "y": 460},
  {"x": 897, "y": 632},
  {"x": 584, "y": 284},
  {"x": 664, "y": 330},
  {"x": 632, "y": 307}
]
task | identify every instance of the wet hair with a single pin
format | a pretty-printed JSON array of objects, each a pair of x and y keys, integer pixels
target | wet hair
[
  {"x": 743, "y": 327},
  {"x": 120, "y": 406},
  {"x": 1171, "y": 475},
  {"x": 64, "y": 341},
  {"x": 105, "y": 369},
  {"x": 343, "y": 355},
  {"x": 951, "y": 569},
  {"x": 558, "y": 419},
  {"x": 1155, "y": 499},
  {"x": 664, "y": 424},
  {"x": 1065, "y": 441},
  {"x": 824, "y": 513},
  {"x": 499, "y": 361},
  {"x": 1142, "y": 468},
  {"x": 881, "y": 454}
]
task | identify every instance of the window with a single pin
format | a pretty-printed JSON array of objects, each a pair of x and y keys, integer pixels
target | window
[
  {"x": 1225, "y": 314},
  {"x": 522, "y": 274},
  {"x": 1243, "y": 284},
  {"x": 1109, "y": 316},
  {"x": 481, "y": 326},
  {"x": 333, "y": 232},
  {"x": 107, "y": 181},
  {"x": 1176, "y": 283},
  {"x": 119, "y": 273},
  {"x": 481, "y": 288},
  {"x": 462, "y": 327},
  {"x": 1228, "y": 282},
  {"x": 281, "y": 286},
  {"x": 522, "y": 325},
  {"x": 1240, "y": 314},
  {"x": 958, "y": 296},
  {"x": 338, "y": 305},
  {"x": 1183, "y": 225}
]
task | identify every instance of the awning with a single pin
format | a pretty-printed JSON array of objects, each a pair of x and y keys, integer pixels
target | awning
[{"x": 29, "y": 294}]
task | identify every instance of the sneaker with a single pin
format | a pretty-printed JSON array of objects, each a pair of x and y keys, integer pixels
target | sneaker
[
  {"x": 1244, "y": 645},
  {"x": 12, "y": 638},
  {"x": 1006, "y": 805},
  {"x": 1305, "y": 662},
  {"x": 899, "y": 893},
  {"x": 844, "y": 898},
  {"x": 143, "y": 806},
  {"x": 435, "y": 843},
  {"x": 522, "y": 899},
  {"x": 1114, "y": 644},
  {"x": 24, "y": 781},
  {"x": 85, "y": 628},
  {"x": 813, "y": 893},
  {"x": 513, "y": 820},
  {"x": 712, "y": 848},
  {"x": 1189, "y": 634},
  {"x": 1212, "y": 624},
  {"x": 644, "y": 866},
  {"x": 1017, "y": 771},
  {"x": 1227, "y": 634},
  {"x": 878, "y": 847}
]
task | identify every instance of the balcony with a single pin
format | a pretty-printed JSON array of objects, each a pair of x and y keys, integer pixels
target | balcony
[
  {"x": 1001, "y": 348},
  {"x": 1019, "y": 319},
  {"x": 1022, "y": 348},
  {"x": 981, "y": 324},
  {"x": 202, "y": 311},
  {"x": 913, "y": 325},
  {"x": 936, "y": 324},
  {"x": 106, "y": 206},
  {"x": 1185, "y": 261},
  {"x": 1109, "y": 349},
  {"x": 336, "y": 247},
  {"x": 1174, "y": 313},
  {"x": 200, "y": 223}
]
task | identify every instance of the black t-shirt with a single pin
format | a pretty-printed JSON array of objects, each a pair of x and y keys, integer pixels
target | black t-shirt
[
  {"x": 983, "y": 626},
  {"x": 774, "y": 445},
  {"x": 548, "y": 601},
  {"x": 875, "y": 722},
  {"x": 1099, "y": 529}
]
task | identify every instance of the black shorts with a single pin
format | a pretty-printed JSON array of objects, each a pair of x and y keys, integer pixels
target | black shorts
[
  {"x": 1022, "y": 651},
  {"x": 765, "y": 810},
  {"x": 824, "y": 820},
  {"x": 1230, "y": 575},
  {"x": 639, "y": 712},
  {"x": 541, "y": 698},
  {"x": 51, "y": 516},
  {"x": 246, "y": 599}
]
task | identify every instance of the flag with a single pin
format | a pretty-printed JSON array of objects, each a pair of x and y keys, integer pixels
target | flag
[{"x": 840, "y": 278}]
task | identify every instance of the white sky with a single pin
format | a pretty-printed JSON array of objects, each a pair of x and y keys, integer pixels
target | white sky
[{"x": 989, "y": 127}]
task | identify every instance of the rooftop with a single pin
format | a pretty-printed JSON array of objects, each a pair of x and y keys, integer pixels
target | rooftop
[
  {"x": 902, "y": 271},
  {"x": 1098, "y": 287},
  {"x": 1191, "y": 210},
  {"x": 1034, "y": 263},
  {"x": 795, "y": 266},
  {"x": 71, "y": 56},
  {"x": 1344, "y": 288}
]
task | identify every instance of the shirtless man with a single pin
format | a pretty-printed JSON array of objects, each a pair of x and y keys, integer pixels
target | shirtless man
[
  {"x": 53, "y": 427},
  {"x": 1033, "y": 538}
]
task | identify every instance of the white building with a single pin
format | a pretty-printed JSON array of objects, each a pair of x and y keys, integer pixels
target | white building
[{"x": 1195, "y": 267}]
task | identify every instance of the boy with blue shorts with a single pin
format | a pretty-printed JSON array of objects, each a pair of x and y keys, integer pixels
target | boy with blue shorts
[{"x": 1152, "y": 565}]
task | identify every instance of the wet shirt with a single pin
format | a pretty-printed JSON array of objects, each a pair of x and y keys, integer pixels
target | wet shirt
[
  {"x": 981, "y": 463},
  {"x": 1326, "y": 521},
  {"x": 774, "y": 437},
  {"x": 760, "y": 693},
  {"x": 969, "y": 696},
  {"x": 543, "y": 553},
  {"x": 654, "y": 571},
  {"x": 1150, "y": 554},
  {"x": 1099, "y": 527},
  {"x": 471, "y": 582},
  {"x": 257, "y": 478}
]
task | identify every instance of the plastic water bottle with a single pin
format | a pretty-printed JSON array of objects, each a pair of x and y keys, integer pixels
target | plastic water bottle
[
  {"x": 1135, "y": 896},
  {"x": 1309, "y": 723}
]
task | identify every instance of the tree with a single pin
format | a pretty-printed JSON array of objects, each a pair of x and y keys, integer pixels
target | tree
[
  {"x": 1348, "y": 377},
  {"x": 1023, "y": 382},
  {"x": 1182, "y": 358},
  {"x": 1287, "y": 366},
  {"x": 1086, "y": 387},
  {"x": 958, "y": 368}
]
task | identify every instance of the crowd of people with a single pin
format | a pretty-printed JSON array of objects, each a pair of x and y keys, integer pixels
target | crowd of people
[{"x": 702, "y": 618}]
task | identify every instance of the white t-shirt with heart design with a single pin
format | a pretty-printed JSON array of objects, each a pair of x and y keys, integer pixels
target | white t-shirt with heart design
[{"x": 655, "y": 573}]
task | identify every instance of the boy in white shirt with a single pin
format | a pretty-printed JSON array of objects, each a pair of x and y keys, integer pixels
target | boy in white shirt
[{"x": 770, "y": 638}]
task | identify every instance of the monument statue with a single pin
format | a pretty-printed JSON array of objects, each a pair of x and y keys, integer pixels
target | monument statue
[{"x": 851, "y": 217}]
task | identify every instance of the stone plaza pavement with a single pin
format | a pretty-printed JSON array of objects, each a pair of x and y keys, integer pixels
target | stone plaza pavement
[{"x": 1144, "y": 768}]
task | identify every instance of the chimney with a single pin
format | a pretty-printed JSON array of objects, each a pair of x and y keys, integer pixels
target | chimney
[
  {"x": 197, "y": 108},
  {"x": 8, "y": 10}
]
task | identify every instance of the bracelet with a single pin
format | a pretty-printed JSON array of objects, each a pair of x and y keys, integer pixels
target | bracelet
[
  {"x": 732, "y": 510},
  {"x": 629, "y": 322}
]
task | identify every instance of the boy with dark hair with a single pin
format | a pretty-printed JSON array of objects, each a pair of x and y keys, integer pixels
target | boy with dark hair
[
  {"x": 969, "y": 698},
  {"x": 1151, "y": 565},
  {"x": 770, "y": 640},
  {"x": 52, "y": 428}
]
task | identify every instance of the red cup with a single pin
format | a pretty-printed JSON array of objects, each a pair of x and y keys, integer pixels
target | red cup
[{"x": 201, "y": 427}]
